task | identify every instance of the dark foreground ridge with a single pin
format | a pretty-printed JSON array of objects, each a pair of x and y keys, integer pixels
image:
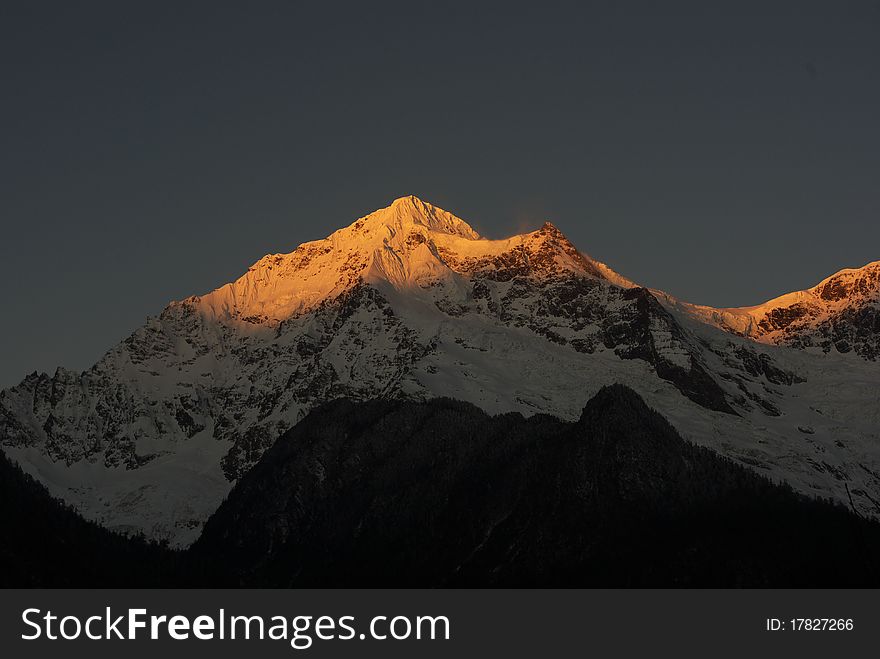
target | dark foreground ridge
[
  {"x": 46, "y": 544},
  {"x": 392, "y": 493}
]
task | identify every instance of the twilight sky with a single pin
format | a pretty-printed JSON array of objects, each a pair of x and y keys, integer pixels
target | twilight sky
[{"x": 723, "y": 151}]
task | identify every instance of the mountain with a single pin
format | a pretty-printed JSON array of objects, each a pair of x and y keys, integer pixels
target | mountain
[
  {"x": 409, "y": 302},
  {"x": 839, "y": 314},
  {"x": 438, "y": 493},
  {"x": 405, "y": 494}
]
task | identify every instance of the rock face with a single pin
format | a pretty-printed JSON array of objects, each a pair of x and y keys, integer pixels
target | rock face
[{"x": 409, "y": 302}]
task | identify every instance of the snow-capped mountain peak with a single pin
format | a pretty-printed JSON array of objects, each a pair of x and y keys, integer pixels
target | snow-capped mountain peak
[
  {"x": 841, "y": 313},
  {"x": 408, "y": 245},
  {"x": 411, "y": 302},
  {"x": 395, "y": 244},
  {"x": 409, "y": 211},
  {"x": 851, "y": 285}
]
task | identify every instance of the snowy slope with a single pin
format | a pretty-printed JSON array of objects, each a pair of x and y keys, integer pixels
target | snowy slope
[
  {"x": 410, "y": 301},
  {"x": 839, "y": 314}
]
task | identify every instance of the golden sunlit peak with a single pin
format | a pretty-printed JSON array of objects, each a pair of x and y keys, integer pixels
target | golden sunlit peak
[
  {"x": 410, "y": 210},
  {"x": 409, "y": 199},
  {"x": 416, "y": 207}
]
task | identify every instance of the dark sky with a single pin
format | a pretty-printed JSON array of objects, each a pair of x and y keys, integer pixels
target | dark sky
[{"x": 723, "y": 151}]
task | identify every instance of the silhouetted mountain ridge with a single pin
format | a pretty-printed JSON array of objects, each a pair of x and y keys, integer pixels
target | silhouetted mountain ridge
[
  {"x": 45, "y": 543},
  {"x": 396, "y": 493},
  {"x": 439, "y": 493}
]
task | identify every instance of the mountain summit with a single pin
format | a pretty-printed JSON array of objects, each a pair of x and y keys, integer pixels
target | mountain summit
[
  {"x": 408, "y": 211},
  {"x": 409, "y": 245},
  {"x": 409, "y": 302}
]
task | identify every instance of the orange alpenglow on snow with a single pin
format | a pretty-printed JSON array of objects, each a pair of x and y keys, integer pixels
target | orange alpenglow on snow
[{"x": 407, "y": 245}]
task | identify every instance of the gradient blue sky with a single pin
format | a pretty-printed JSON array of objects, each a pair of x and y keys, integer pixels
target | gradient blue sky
[{"x": 723, "y": 151}]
